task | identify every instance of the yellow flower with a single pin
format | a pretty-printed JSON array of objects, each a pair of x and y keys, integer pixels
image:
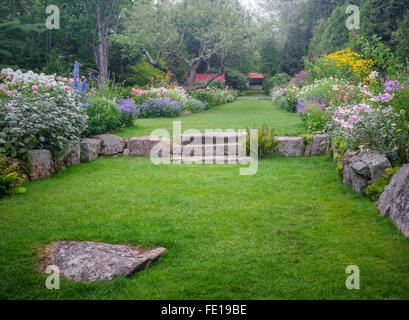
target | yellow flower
[{"x": 402, "y": 112}]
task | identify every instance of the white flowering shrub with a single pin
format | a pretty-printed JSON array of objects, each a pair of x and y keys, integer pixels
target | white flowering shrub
[
  {"x": 363, "y": 126},
  {"x": 36, "y": 111},
  {"x": 323, "y": 88},
  {"x": 174, "y": 94},
  {"x": 177, "y": 94}
]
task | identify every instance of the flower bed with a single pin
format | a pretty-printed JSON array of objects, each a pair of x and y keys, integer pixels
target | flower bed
[
  {"x": 37, "y": 111},
  {"x": 356, "y": 108},
  {"x": 152, "y": 108}
]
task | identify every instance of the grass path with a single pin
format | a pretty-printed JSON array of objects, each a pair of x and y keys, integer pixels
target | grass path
[
  {"x": 236, "y": 115},
  {"x": 287, "y": 233}
]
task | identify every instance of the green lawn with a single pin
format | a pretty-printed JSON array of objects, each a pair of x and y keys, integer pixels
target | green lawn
[
  {"x": 237, "y": 115},
  {"x": 288, "y": 232}
]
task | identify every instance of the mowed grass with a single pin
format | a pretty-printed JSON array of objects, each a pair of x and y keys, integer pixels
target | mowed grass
[
  {"x": 288, "y": 232},
  {"x": 236, "y": 115}
]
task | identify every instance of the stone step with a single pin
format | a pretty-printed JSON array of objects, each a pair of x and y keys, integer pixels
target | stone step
[
  {"x": 212, "y": 160},
  {"x": 212, "y": 138},
  {"x": 231, "y": 149}
]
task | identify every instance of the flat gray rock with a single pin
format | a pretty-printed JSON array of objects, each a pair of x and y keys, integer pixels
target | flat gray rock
[
  {"x": 111, "y": 144},
  {"x": 319, "y": 144},
  {"x": 72, "y": 157},
  {"x": 291, "y": 146},
  {"x": 94, "y": 261},
  {"x": 90, "y": 149},
  {"x": 143, "y": 146},
  {"x": 364, "y": 168},
  {"x": 42, "y": 164}
]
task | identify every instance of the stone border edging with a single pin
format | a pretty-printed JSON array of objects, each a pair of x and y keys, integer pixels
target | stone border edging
[{"x": 89, "y": 149}]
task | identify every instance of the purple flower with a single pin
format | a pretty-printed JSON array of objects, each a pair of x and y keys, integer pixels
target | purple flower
[
  {"x": 127, "y": 106},
  {"x": 393, "y": 86},
  {"x": 386, "y": 97}
]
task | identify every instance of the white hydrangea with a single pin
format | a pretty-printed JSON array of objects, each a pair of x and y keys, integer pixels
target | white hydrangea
[
  {"x": 31, "y": 78},
  {"x": 178, "y": 94}
]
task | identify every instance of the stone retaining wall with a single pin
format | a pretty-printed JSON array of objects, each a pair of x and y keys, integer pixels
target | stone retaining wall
[
  {"x": 362, "y": 168},
  {"x": 90, "y": 149}
]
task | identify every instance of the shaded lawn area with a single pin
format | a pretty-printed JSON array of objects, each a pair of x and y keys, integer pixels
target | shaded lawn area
[
  {"x": 236, "y": 115},
  {"x": 288, "y": 232}
]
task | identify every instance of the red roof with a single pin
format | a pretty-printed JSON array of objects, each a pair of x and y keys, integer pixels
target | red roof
[
  {"x": 206, "y": 76},
  {"x": 255, "y": 75}
]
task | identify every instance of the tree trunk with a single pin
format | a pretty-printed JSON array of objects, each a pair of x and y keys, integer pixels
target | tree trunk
[
  {"x": 102, "y": 49},
  {"x": 190, "y": 81},
  {"x": 209, "y": 65}
]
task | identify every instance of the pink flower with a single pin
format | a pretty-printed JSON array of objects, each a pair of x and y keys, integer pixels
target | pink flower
[
  {"x": 158, "y": 94},
  {"x": 353, "y": 119},
  {"x": 66, "y": 88},
  {"x": 35, "y": 92},
  {"x": 35, "y": 88},
  {"x": 357, "y": 109},
  {"x": 134, "y": 90},
  {"x": 47, "y": 86},
  {"x": 346, "y": 125},
  {"x": 47, "y": 95}
]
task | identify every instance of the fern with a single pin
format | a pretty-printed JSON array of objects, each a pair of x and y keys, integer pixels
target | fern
[
  {"x": 267, "y": 143},
  {"x": 10, "y": 178}
]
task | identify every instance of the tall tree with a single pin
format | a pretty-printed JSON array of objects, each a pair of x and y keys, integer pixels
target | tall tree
[
  {"x": 401, "y": 38},
  {"x": 105, "y": 18},
  {"x": 381, "y": 17},
  {"x": 192, "y": 31},
  {"x": 148, "y": 30},
  {"x": 270, "y": 60}
]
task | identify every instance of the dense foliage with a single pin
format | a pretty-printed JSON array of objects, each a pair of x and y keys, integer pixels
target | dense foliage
[
  {"x": 278, "y": 80},
  {"x": 37, "y": 111},
  {"x": 235, "y": 79},
  {"x": 104, "y": 116},
  {"x": 267, "y": 142},
  {"x": 360, "y": 100}
]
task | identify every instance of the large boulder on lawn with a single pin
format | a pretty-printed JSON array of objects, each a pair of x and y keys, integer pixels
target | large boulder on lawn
[
  {"x": 111, "y": 144},
  {"x": 395, "y": 200},
  {"x": 42, "y": 164},
  {"x": 93, "y": 261},
  {"x": 364, "y": 168},
  {"x": 90, "y": 149},
  {"x": 291, "y": 146},
  {"x": 143, "y": 146}
]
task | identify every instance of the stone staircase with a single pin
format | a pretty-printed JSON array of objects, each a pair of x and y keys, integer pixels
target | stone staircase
[
  {"x": 211, "y": 148},
  {"x": 255, "y": 90}
]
